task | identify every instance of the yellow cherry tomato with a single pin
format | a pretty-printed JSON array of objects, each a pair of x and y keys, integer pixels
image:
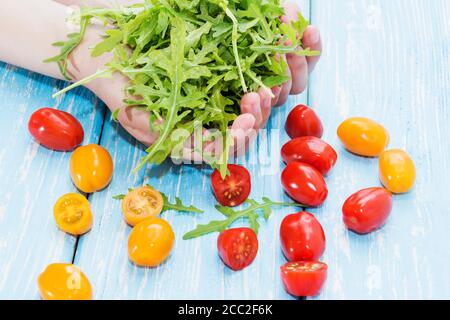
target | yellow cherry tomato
[
  {"x": 73, "y": 214},
  {"x": 150, "y": 242},
  {"x": 140, "y": 204},
  {"x": 397, "y": 171},
  {"x": 91, "y": 168},
  {"x": 64, "y": 281},
  {"x": 363, "y": 137}
]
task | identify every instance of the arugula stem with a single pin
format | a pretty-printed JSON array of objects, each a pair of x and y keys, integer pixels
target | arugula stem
[
  {"x": 235, "y": 36},
  {"x": 219, "y": 226},
  {"x": 84, "y": 81},
  {"x": 261, "y": 84}
]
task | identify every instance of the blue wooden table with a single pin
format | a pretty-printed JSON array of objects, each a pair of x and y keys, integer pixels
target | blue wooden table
[{"x": 384, "y": 59}]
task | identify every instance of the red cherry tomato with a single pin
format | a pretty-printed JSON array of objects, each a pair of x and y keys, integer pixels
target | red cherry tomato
[
  {"x": 55, "y": 129},
  {"x": 367, "y": 210},
  {"x": 302, "y": 237},
  {"x": 234, "y": 189},
  {"x": 303, "y": 121},
  {"x": 310, "y": 150},
  {"x": 304, "y": 184},
  {"x": 238, "y": 247},
  {"x": 304, "y": 279}
]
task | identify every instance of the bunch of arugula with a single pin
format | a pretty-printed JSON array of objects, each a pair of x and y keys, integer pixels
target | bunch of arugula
[{"x": 189, "y": 62}]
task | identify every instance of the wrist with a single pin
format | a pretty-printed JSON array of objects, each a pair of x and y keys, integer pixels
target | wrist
[{"x": 82, "y": 64}]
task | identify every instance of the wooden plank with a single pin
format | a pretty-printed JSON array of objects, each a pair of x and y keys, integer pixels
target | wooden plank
[
  {"x": 33, "y": 178},
  {"x": 387, "y": 60},
  {"x": 194, "y": 270}
]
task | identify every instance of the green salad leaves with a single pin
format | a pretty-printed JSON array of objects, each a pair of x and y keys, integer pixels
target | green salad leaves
[{"x": 189, "y": 62}]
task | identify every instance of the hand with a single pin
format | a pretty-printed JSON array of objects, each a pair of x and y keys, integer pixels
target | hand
[{"x": 255, "y": 107}]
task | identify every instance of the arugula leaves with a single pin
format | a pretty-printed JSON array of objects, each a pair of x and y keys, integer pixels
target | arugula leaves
[
  {"x": 190, "y": 61},
  {"x": 251, "y": 213},
  {"x": 178, "y": 205}
]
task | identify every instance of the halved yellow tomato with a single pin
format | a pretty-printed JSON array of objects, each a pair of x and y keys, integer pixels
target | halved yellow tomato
[
  {"x": 363, "y": 137},
  {"x": 142, "y": 203},
  {"x": 64, "y": 281},
  {"x": 91, "y": 168},
  {"x": 73, "y": 214},
  {"x": 397, "y": 171},
  {"x": 150, "y": 242}
]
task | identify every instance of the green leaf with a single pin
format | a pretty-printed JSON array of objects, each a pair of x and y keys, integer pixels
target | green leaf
[
  {"x": 178, "y": 205},
  {"x": 226, "y": 211},
  {"x": 114, "y": 37},
  {"x": 115, "y": 114},
  {"x": 250, "y": 213},
  {"x": 119, "y": 197}
]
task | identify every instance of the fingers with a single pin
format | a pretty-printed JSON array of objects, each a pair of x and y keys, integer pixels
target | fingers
[
  {"x": 299, "y": 72},
  {"x": 266, "y": 105},
  {"x": 251, "y": 103},
  {"x": 136, "y": 122},
  {"x": 243, "y": 134},
  {"x": 298, "y": 65},
  {"x": 276, "y": 93},
  {"x": 311, "y": 39},
  {"x": 301, "y": 66},
  {"x": 285, "y": 89}
]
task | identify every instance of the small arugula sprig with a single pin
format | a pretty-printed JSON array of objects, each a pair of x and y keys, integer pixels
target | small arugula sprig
[
  {"x": 251, "y": 213},
  {"x": 177, "y": 205},
  {"x": 74, "y": 39}
]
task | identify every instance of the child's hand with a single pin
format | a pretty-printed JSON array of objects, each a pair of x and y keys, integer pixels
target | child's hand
[{"x": 255, "y": 107}]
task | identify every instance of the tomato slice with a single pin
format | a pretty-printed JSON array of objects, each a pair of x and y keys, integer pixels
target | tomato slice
[
  {"x": 304, "y": 279},
  {"x": 140, "y": 204},
  {"x": 238, "y": 247},
  {"x": 234, "y": 189},
  {"x": 73, "y": 214}
]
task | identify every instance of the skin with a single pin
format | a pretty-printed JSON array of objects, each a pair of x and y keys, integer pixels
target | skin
[{"x": 45, "y": 23}]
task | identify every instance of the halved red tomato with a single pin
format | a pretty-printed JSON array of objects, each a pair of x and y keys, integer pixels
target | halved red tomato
[
  {"x": 304, "y": 279},
  {"x": 234, "y": 189},
  {"x": 310, "y": 150},
  {"x": 238, "y": 247}
]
